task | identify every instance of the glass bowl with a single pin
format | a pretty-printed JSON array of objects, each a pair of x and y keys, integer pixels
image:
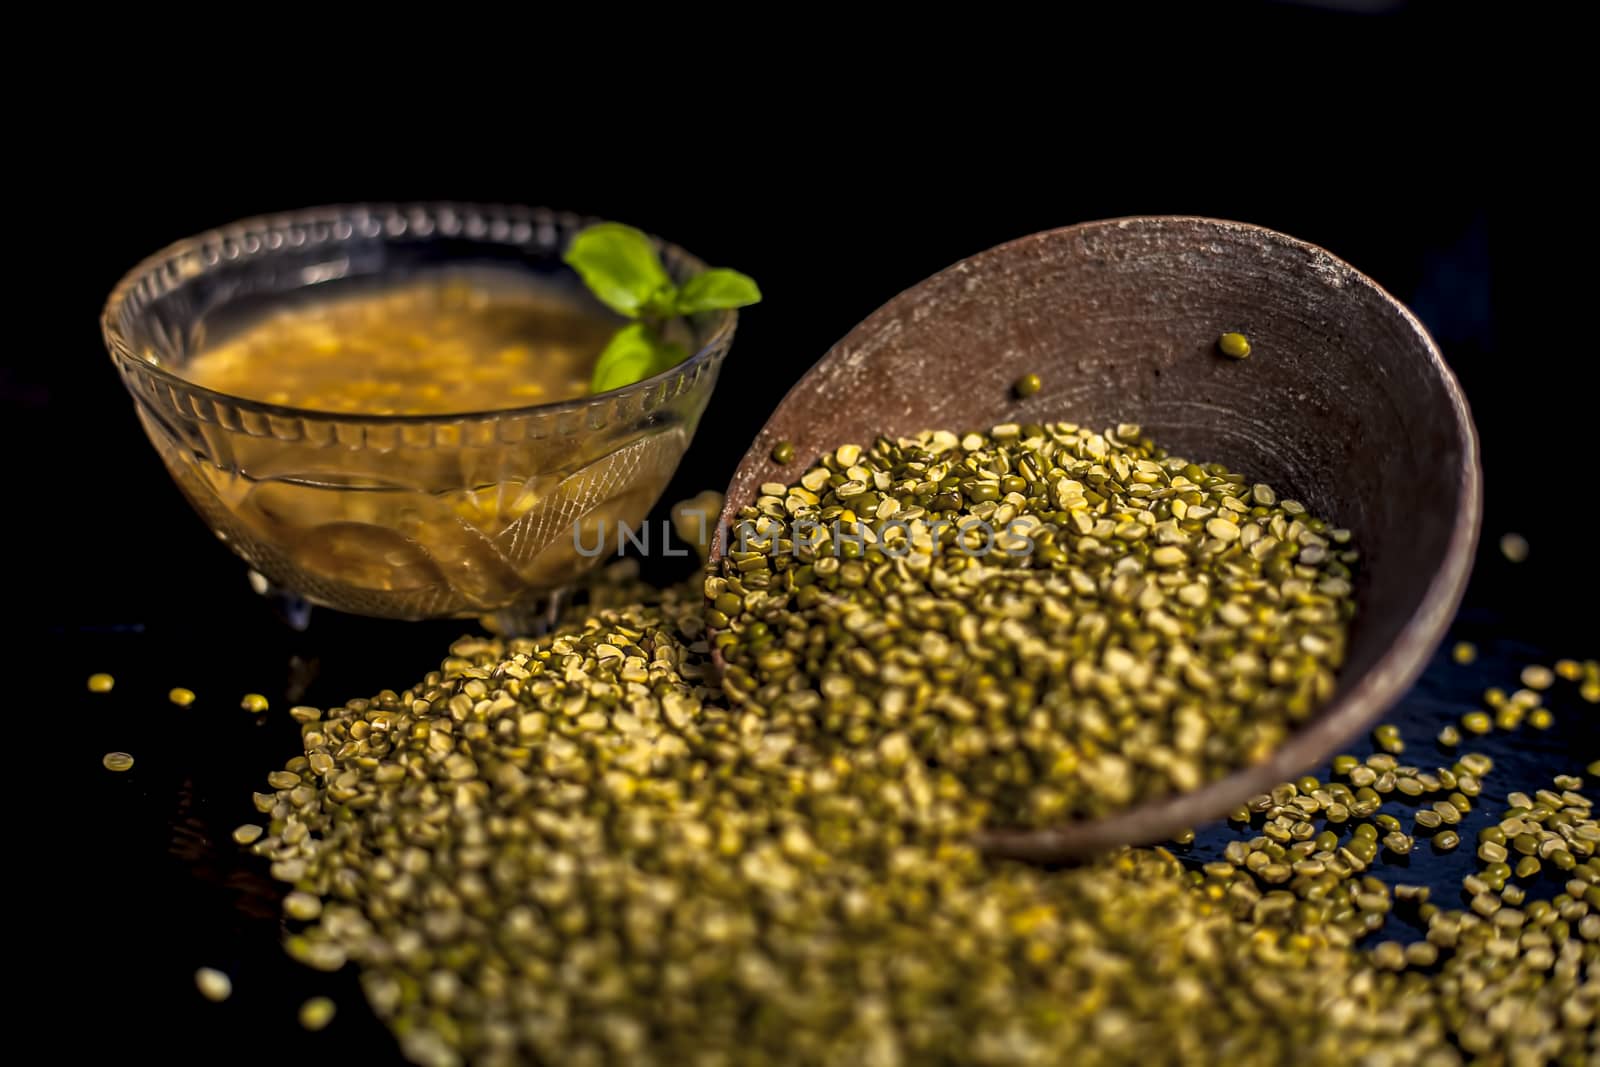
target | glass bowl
[{"x": 401, "y": 516}]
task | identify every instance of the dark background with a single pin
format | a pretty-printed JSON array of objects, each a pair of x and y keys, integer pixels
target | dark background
[{"x": 1415, "y": 141}]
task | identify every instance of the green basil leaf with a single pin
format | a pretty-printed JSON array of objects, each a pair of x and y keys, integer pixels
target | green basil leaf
[
  {"x": 717, "y": 288},
  {"x": 663, "y": 304},
  {"x": 633, "y": 354},
  {"x": 619, "y": 265}
]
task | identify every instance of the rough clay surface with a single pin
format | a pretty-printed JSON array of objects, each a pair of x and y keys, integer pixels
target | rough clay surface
[{"x": 1344, "y": 403}]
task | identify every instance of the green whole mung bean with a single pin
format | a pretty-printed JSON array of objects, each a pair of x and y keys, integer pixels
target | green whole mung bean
[
  {"x": 1234, "y": 345},
  {"x": 643, "y": 871},
  {"x": 1027, "y": 385}
]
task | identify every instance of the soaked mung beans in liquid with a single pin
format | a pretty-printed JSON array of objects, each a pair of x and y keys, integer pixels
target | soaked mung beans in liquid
[
  {"x": 417, "y": 518},
  {"x": 444, "y": 344}
]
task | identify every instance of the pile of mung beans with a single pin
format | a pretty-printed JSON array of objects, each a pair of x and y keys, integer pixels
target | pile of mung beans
[
  {"x": 582, "y": 849},
  {"x": 1067, "y": 622}
]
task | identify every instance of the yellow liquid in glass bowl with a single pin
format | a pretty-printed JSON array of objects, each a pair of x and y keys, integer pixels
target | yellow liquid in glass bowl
[
  {"x": 441, "y": 517},
  {"x": 459, "y": 343}
]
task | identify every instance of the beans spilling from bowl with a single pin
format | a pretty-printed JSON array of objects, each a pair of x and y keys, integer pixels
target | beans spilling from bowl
[
  {"x": 574, "y": 849},
  {"x": 1063, "y": 621}
]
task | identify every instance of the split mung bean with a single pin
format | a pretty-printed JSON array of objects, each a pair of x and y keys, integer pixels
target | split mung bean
[
  {"x": 1065, "y": 621},
  {"x": 213, "y": 984},
  {"x": 317, "y": 1013},
  {"x": 578, "y": 849}
]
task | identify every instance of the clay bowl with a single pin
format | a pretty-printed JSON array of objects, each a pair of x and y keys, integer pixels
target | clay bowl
[{"x": 1345, "y": 404}]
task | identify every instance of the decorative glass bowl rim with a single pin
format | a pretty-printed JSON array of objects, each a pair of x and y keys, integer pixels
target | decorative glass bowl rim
[{"x": 262, "y": 235}]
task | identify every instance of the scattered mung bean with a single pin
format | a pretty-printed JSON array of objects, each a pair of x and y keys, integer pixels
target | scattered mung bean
[
  {"x": 316, "y": 1013},
  {"x": 213, "y": 984},
  {"x": 581, "y": 833}
]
